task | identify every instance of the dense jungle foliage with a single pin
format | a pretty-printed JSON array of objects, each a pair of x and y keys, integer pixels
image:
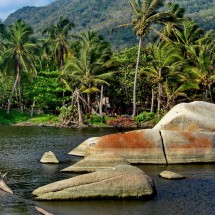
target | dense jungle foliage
[
  {"x": 80, "y": 77},
  {"x": 103, "y": 15}
]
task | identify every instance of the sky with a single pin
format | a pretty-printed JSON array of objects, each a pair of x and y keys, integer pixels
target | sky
[{"x": 9, "y": 6}]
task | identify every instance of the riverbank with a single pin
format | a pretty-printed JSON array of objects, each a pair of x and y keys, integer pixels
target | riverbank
[{"x": 16, "y": 118}]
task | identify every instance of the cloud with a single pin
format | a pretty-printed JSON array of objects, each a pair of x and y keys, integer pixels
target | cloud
[{"x": 9, "y": 6}]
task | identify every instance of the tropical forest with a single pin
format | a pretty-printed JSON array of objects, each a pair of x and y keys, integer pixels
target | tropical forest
[{"x": 126, "y": 65}]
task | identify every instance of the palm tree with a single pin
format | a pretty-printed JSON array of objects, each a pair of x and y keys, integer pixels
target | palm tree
[
  {"x": 146, "y": 13},
  {"x": 166, "y": 60},
  {"x": 190, "y": 34},
  {"x": 57, "y": 45},
  {"x": 18, "y": 54},
  {"x": 176, "y": 23},
  {"x": 203, "y": 68},
  {"x": 89, "y": 69}
]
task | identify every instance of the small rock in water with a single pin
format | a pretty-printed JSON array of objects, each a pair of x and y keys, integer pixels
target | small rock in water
[
  {"x": 49, "y": 157},
  {"x": 171, "y": 175}
]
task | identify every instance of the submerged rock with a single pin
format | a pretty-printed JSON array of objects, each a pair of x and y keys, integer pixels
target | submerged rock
[
  {"x": 96, "y": 162},
  {"x": 171, "y": 175},
  {"x": 49, "y": 158},
  {"x": 42, "y": 211},
  {"x": 194, "y": 116},
  {"x": 122, "y": 181}
]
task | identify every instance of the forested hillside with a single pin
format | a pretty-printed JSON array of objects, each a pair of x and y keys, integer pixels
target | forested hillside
[{"x": 103, "y": 15}]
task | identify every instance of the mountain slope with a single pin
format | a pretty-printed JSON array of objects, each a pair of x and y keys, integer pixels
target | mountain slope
[{"x": 103, "y": 15}]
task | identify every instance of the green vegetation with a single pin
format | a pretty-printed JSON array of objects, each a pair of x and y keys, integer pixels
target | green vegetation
[
  {"x": 103, "y": 15},
  {"x": 15, "y": 117},
  {"x": 82, "y": 81}
]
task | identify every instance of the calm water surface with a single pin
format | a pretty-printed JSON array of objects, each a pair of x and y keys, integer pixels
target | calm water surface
[{"x": 22, "y": 147}]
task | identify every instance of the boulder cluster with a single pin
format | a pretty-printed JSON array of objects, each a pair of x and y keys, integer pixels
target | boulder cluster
[{"x": 186, "y": 134}]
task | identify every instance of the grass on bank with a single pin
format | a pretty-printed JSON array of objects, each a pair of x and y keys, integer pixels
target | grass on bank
[{"x": 15, "y": 116}]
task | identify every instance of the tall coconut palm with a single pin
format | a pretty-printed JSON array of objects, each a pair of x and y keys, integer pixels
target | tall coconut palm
[
  {"x": 19, "y": 54},
  {"x": 147, "y": 13},
  {"x": 57, "y": 45}
]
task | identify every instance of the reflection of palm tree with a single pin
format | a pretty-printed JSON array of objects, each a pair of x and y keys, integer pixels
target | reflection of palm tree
[
  {"x": 146, "y": 13},
  {"x": 18, "y": 54},
  {"x": 57, "y": 44}
]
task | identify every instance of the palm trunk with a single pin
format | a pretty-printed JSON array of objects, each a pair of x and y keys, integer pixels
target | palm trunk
[
  {"x": 12, "y": 93},
  {"x": 159, "y": 98},
  {"x": 135, "y": 79},
  {"x": 88, "y": 103},
  {"x": 100, "y": 104},
  {"x": 80, "y": 120},
  {"x": 152, "y": 101},
  {"x": 20, "y": 95}
]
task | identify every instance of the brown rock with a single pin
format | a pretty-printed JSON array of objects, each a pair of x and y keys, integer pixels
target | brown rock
[
  {"x": 189, "y": 147},
  {"x": 140, "y": 146}
]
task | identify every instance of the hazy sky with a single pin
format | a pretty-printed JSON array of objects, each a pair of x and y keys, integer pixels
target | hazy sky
[{"x": 9, "y": 6}]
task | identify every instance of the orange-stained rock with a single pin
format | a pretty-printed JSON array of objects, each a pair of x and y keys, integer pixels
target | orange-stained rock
[
  {"x": 194, "y": 116},
  {"x": 140, "y": 146},
  {"x": 188, "y": 147}
]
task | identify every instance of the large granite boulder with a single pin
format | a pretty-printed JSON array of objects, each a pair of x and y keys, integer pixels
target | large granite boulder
[
  {"x": 194, "y": 116},
  {"x": 188, "y": 147},
  {"x": 122, "y": 181},
  {"x": 140, "y": 146},
  {"x": 49, "y": 158},
  {"x": 96, "y": 162},
  {"x": 81, "y": 149}
]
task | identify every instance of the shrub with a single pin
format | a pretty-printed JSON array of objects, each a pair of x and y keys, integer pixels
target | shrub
[{"x": 122, "y": 122}]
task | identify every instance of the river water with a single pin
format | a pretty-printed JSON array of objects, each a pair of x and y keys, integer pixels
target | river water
[{"x": 22, "y": 147}]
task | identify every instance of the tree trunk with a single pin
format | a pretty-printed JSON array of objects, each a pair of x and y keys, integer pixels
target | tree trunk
[
  {"x": 88, "y": 102},
  {"x": 159, "y": 98},
  {"x": 152, "y": 101},
  {"x": 135, "y": 79},
  {"x": 20, "y": 95},
  {"x": 100, "y": 104},
  {"x": 80, "y": 120},
  {"x": 12, "y": 92}
]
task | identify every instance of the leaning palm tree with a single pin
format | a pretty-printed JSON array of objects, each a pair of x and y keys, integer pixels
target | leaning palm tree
[
  {"x": 147, "y": 13},
  {"x": 18, "y": 55},
  {"x": 57, "y": 45}
]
